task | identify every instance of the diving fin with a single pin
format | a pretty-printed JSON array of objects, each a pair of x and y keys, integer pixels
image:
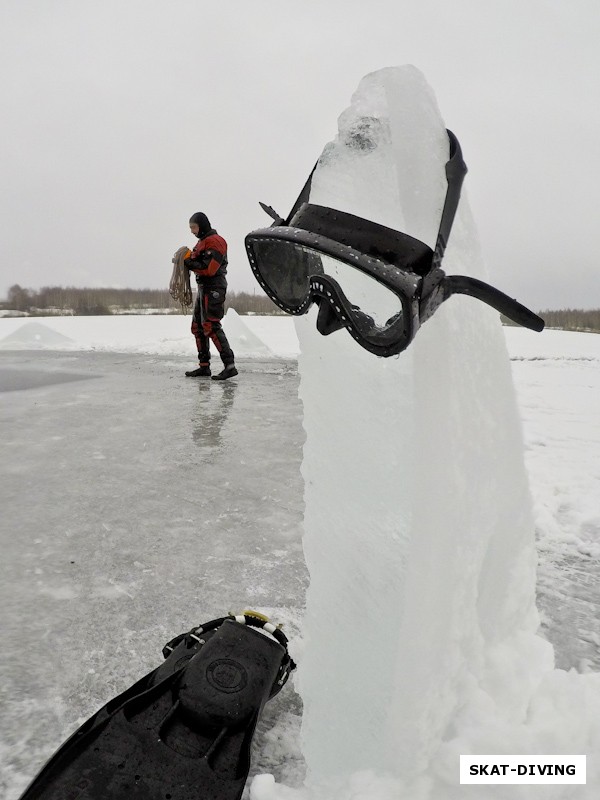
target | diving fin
[{"x": 184, "y": 730}]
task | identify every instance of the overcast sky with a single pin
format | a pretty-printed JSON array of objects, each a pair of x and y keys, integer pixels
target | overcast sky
[{"x": 120, "y": 118}]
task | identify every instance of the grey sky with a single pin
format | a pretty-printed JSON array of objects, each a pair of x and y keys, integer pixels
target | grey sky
[{"x": 120, "y": 118}]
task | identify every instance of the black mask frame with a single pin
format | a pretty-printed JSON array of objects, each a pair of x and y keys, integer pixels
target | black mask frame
[{"x": 286, "y": 260}]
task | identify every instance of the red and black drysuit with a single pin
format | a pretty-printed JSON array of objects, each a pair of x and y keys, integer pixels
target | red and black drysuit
[{"x": 209, "y": 263}]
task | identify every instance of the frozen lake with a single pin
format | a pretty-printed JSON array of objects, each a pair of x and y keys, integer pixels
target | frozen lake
[{"x": 137, "y": 503}]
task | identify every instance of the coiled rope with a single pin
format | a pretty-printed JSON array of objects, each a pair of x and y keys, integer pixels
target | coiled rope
[{"x": 179, "y": 286}]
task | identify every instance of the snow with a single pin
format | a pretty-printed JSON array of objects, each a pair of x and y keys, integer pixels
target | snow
[{"x": 155, "y": 334}]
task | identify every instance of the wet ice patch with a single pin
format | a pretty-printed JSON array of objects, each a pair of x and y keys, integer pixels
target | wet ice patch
[{"x": 18, "y": 380}]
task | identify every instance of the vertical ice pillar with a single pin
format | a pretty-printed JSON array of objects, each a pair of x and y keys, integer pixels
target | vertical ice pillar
[
  {"x": 356, "y": 533},
  {"x": 418, "y": 535}
]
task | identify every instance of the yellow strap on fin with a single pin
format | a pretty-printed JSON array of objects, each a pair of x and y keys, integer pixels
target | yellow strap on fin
[{"x": 248, "y": 612}]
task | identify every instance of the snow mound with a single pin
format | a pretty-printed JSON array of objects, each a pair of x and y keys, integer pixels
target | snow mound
[
  {"x": 35, "y": 336},
  {"x": 163, "y": 334},
  {"x": 242, "y": 340}
]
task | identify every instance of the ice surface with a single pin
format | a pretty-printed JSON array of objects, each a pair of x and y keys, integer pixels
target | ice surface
[
  {"x": 145, "y": 568},
  {"x": 136, "y": 503},
  {"x": 421, "y": 621}
]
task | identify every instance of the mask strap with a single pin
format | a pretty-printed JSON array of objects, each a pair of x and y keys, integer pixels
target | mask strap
[
  {"x": 456, "y": 169},
  {"x": 303, "y": 196},
  {"x": 461, "y": 284}
]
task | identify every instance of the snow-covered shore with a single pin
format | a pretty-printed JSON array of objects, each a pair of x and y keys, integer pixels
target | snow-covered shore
[
  {"x": 160, "y": 334},
  {"x": 252, "y": 336}
]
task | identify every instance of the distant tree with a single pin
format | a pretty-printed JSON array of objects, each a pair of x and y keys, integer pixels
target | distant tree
[
  {"x": 94, "y": 310},
  {"x": 19, "y": 299},
  {"x": 246, "y": 303},
  {"x": 573, "y": 319}
]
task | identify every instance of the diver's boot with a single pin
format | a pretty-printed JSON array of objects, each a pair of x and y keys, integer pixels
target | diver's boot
[
  {"x": 201, "y": 372},
  {"x": 228, "y": 372}
]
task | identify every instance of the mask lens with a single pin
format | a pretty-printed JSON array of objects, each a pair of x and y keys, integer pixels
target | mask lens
[
  {"x": 286, "y": 267},
  {"x": 379, "y": 307}
]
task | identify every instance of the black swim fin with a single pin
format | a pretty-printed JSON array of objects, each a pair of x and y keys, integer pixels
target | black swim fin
[{"x": 182, "y": 732}]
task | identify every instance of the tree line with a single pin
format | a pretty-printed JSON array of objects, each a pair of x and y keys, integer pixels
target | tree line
[
  {"x": 573, "y": 319},
  {"x": 95, "y": 301},
  {"x": 73, "y": 300},
  {"x": 568, "y": 319}
]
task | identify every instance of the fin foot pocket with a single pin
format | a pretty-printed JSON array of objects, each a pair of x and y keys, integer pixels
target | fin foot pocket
[{"x": 185, "y": 729}]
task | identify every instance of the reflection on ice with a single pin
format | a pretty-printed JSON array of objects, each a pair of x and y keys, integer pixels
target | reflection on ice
[{"x": 214, "y": 405}]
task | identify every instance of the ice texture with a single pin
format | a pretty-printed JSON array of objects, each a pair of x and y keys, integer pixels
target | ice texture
[
  {"x": 421, "y": 624},
  {"x": 136, "y": 503},
  {"x": 387, "y": 162}
]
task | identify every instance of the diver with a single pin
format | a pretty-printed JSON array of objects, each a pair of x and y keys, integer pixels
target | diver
[{"x": 208, "y": 261}]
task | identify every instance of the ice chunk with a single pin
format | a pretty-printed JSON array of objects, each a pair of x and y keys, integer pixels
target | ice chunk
[
  {"x": 418, "y": 528},
  {"x": 387, "y": 162}
]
